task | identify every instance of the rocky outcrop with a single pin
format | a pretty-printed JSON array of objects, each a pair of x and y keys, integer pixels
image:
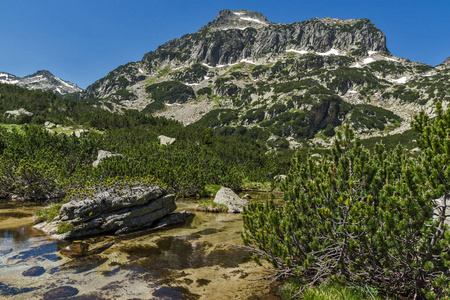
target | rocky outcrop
[
  {"x": 102, "y": 154},
  {"x": 20, "y": 115},
  {"x": 230, "y": 199},
  {"x": 114, "y": 211},
  {"x": 447, "y": 61},
  {"x": 231, "y": 38}
]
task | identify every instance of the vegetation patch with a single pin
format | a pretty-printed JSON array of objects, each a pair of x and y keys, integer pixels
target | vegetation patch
[
  {"x": 168, "y": 92},
  {"x": 210, "y": 206},
  {"x": 64, "y": 227},
  {"x": 48, "y": 213}
]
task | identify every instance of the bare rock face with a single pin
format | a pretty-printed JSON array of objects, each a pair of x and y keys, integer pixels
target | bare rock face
[
  {"x": 230, "y": 199},
  {"x": 243, "y": 35},
  {"x": 447, "y": 61},
  {"x": 113, "y": 211}
]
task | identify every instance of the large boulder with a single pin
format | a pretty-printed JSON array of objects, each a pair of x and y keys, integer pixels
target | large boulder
[
  {"x": 102, "y": 154},
  {"x": 112, "y": 211},
  {"x": 230, "y": 199},
  {"x": 20, "y": 115}
]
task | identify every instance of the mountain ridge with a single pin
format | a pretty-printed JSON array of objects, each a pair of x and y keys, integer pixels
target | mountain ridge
[
  {"x": 242, "y": 74},
  {"x": 41, "y": 80}
]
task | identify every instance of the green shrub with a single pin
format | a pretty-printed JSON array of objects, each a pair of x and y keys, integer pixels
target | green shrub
[
  {"x": 362, "y": 217},
  {"x": 64, "y": 227}
]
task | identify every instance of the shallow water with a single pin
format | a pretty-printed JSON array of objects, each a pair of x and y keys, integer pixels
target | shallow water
[{"x": 201, "y": 259}]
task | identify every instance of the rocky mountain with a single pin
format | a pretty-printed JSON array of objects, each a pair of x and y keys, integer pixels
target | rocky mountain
[
  {"x": 41, "y": 80},
  {"x": 447, "y": 61},
  {"x": 242, "y": 74}
]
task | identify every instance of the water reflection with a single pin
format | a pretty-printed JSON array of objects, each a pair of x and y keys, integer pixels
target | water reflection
[
  {"x": 192, "y": 261},
  {"x": 18, "y": 236}
]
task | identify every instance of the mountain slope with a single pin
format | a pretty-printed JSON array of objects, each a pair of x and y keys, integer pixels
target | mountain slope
[
  {"x": 242, "y": 74},
  {"x": 41, "y": 80}
]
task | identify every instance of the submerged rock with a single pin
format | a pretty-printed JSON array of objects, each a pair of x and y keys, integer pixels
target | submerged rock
[
  {"x": 111, "y": 211},
  {"x": 230, "y": 199},
  {"x": 62, "y": 292},
  {"x": 75, "y": 250},
  {"x": 34, "y": 271}
]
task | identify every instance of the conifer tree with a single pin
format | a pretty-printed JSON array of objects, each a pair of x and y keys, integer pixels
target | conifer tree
[{"x": 363, "y": 217}]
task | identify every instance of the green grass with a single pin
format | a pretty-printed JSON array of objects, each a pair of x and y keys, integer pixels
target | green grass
[
  {"x": 210, "y": 206},
  {"x": 10, "y": 127},
  {"x": 332, "y": 291},
  {"x": 258, "y": 186}
]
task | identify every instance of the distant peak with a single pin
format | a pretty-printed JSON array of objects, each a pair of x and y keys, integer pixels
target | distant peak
[
  {"x": 447, "y": 61},
  {"x": 43, "y": 73},
  {"x": 243, "y": 18}
]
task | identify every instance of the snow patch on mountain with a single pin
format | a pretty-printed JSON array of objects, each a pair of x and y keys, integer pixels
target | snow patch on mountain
[
  {"x": 253, "y": 20},
  {"x": 245, "y": 60},
  {"x": 297, "y": 51},
  {"x": 401, "y": 80},
  {"x": 329, "y": 52}
]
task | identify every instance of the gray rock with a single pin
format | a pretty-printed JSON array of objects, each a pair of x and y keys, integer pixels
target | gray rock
[
  {"x": 273, "y": 139},
  {"x": 21, "y": 115},
  {"x": 49, "y": 124},
  {"x": 102, "y": 154},
  {"x": 279, "y": 178},
  {"x": 79, "y": 132},
  {"x": 165, "y": 140},
  {"x": 230, "y": 199},
  {"x": 113, "y": 211},
  {"x": 415, "y": 150},
  {"x": 247, "y": 197}
]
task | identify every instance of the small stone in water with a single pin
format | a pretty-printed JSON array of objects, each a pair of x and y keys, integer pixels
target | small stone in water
[
  {"x": 4, "y": 252},
  {"x": 34, "y": 271},
  {"x": 61, "y": 293},
  {"x": 75, "y": 250}
]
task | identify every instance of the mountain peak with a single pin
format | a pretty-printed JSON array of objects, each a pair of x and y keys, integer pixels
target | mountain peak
[
  {"x": 227, "y": 19},
  {"x": 447, "y": 61},
  {"x": 41, "y": 80},
  {"x": 44, "y": 73}
]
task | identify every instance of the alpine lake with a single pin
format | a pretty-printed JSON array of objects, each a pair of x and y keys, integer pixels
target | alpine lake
[{"x": 202, "y": 259}]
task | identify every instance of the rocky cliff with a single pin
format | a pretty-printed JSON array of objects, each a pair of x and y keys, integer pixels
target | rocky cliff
[
  {"x": 41, "y": 80},
  {"x": 242, "y": 74}
]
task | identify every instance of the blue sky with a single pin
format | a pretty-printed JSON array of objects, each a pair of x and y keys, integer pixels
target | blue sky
[{"x": 82, "y": 40}]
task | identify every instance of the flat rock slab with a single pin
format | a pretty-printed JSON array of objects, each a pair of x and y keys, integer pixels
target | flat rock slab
[{"x": 111, "y": 211}]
